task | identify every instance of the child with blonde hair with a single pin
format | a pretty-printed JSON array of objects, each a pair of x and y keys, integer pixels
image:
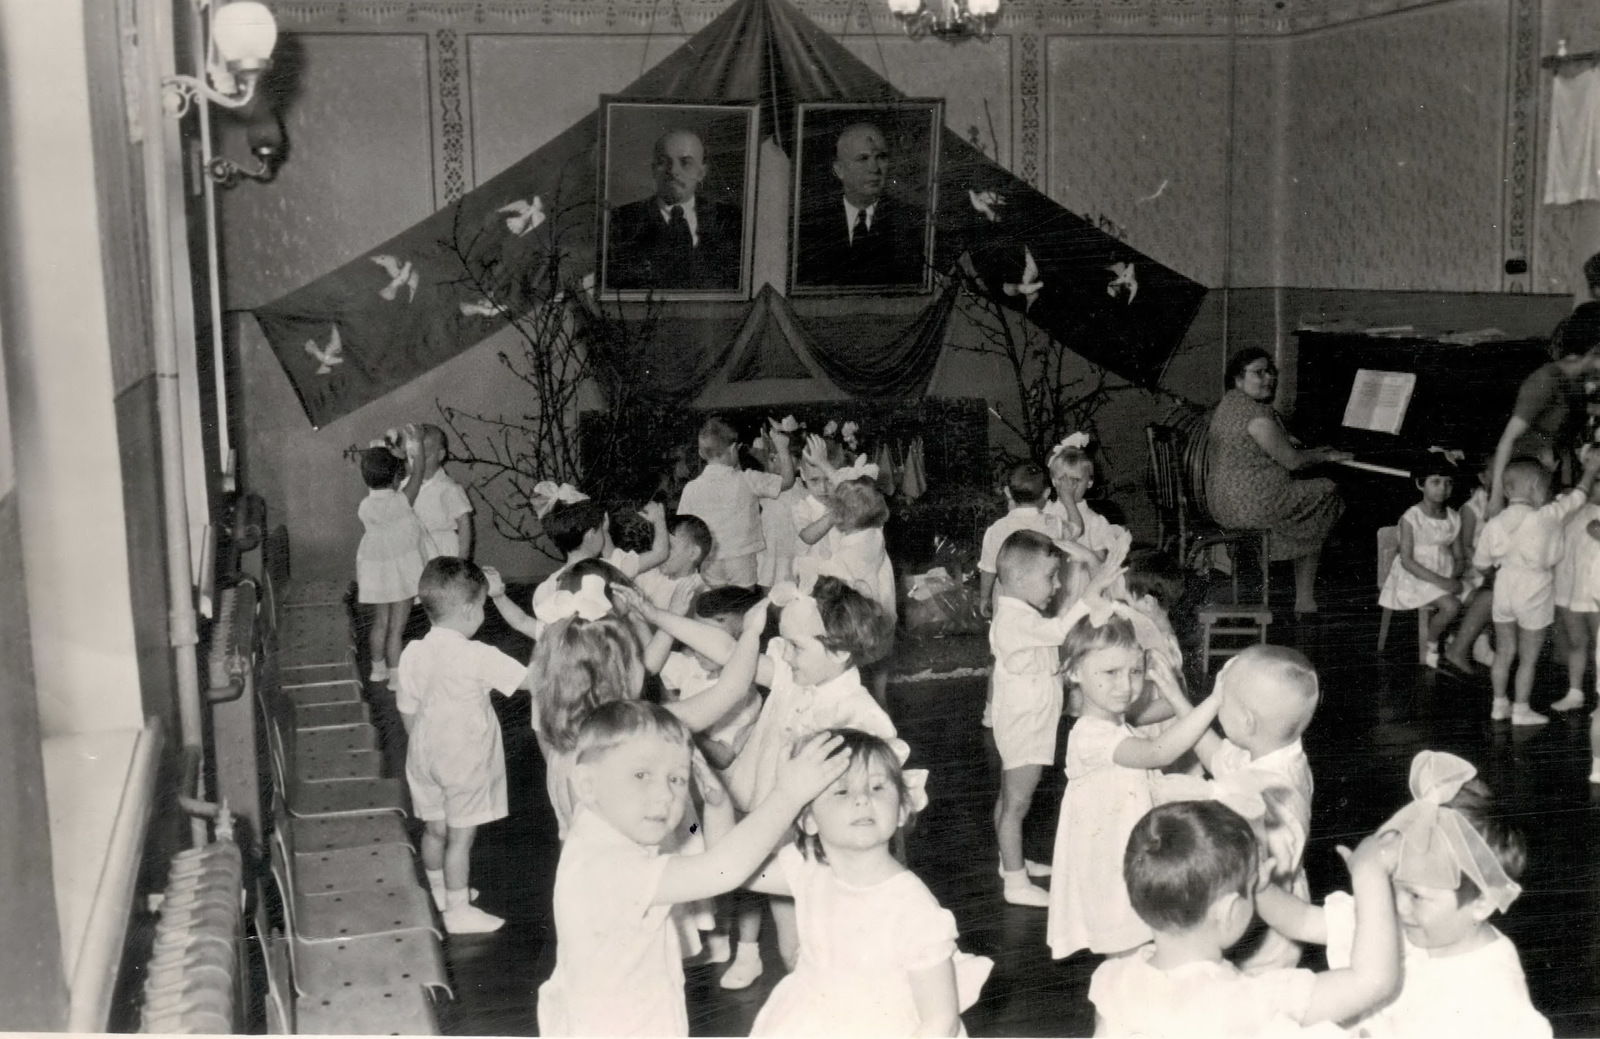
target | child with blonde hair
[
  {"x": 619, "y": 968},
  {"x": 441, "y": 505},
  {"x": 728, "y": 499},
  {"x": 878, "y": 953},
  {"x": 391, "y": 554},
  {"x": 1524, "y": 542},
  {"x": 1087, "y": 538},
  {"x": 1458, "y": 863},
  {"x": 1111, "y": 770}
]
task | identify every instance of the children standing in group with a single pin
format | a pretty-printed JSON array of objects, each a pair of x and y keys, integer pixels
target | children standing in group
[
  {"x": 455, "y": 764},
  {"x": 728, "y": 497},
  {"x": 1577, "y": 598},
  {"x": 391, "y": 555},
  {"x": 1458, "y": 867},
  {"x": 877, "y": 952},
  {"x": 1191, "y": 871},
  {"x": 1428, "y": 566},
  {"x": 1027, "y": 491},
  {"x": 1025, "y": 638},
  {"x": 779, "y": 535},
  {"x": 1110, "y": 769},
  {"x": 618, "y": 969},
  {"x": 441, "y": 505},
  {"x": 1524, "y": 542}
]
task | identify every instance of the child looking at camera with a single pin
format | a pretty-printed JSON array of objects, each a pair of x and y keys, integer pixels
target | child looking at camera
[{"x": 1428, "y": 567}]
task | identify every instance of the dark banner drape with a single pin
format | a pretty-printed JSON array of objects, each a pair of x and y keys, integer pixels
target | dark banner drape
[{"x": 447, "y": 283}]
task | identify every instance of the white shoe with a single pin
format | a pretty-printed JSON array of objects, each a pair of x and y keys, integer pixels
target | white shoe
[
  {"x": 1594, "y": 771},
  {"x": 1500, "y": 710},
  {"x": 1571, "y": 702},
  {"x": 741, "y": 973},
  {"x": 716, "y": 948},
  {"x": 1026, "y": 895},
  {"x": 394, "y": 681},
  {"x": 1483, "y": 650},
  {"x": 469, "y": 919},
  {"x": 380, "y": 672},
  {"x": 1521, "y": 715},
  {"x": 1431, "y": 658},
  {"x": 439, "y": 897}
]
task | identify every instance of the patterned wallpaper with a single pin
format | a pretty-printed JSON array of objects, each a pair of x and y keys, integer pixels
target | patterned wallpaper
[{"x": 1426, "y": 165}]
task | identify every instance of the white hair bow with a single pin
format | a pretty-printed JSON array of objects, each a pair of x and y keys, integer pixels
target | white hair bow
[
  {"x": 1107, "y": 596},
  {"x": 1079, "y": 440},
  {"x": 916, "y": 780},
  {"x": 860, "y": 469},
  {"x": 1438, "y": 845},
  {"x": 789, "y": 425},
  {"x": 589, "y": 602},
  {"x": 547, "y": 494},
  {"x": 1451, "y": 455}
]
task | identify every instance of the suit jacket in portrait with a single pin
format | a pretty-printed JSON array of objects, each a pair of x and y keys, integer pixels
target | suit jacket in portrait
[
  {"x": 892, "y": 253},
  {"x": 642, "y": 257}
]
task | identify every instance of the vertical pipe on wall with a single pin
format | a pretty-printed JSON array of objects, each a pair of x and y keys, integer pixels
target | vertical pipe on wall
[
  {"x": 1227, "y": 179},
  {"x": 156, "y": 60}
]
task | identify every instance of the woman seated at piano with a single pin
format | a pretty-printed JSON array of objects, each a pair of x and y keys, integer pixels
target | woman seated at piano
[
  {"x": 1252, "y": 475},
  {"x": 1549, "y": 419}
]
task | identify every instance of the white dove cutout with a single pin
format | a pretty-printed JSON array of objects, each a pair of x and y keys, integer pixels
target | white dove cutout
[
  {"x": 327, "y": 357},
  {"x": 987, "y": 203},
  {"x": 480, "y": 308},
  {"x": 401, "y": 274},
  {"x": 525, "y": 215},
  {"x": 1030, "y": 284},
  {"x": 1124, "y": 280}
]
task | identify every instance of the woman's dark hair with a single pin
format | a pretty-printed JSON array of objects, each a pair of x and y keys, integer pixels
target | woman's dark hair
[
  {"x": 1578, "y": 333},
  {"x": 1239, "y": 362}
]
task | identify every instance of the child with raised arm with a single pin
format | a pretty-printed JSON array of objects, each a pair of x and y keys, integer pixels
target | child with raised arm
[
  {"x": 1524, "y": 542},
  {"x": 1110, "y": 775},
  {"x": 1191, "y": 870},
  {"x": 1087, "y": 538},
  {"x": 857, "y": 510},
  {"x": 728, "y": 499},
  {"x": 1577, "y": 598},
  {"x": 441, "y": 505},
  {"x": 391, "y": 554},
  {"x": 877, "y": 954},
  {"x": 1428, "y": 567},
  {"x": 1027, "y": 491},
  {"x": 1458, "y": 864},
  {"x": 455, "y": 764},
  {"x": 1025, "y": 711},
  {"x": 674, "y": 584},
  {"x": 619, "y": 970}
]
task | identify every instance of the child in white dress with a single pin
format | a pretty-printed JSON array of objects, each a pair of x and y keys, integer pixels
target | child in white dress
[
  {"x": 619, "y": 968},
  {"x": 391, "y": 555},
  {"x": 780, "y": 536},
  {"x": 1110, "y": 770},
  {"x": 1458, "y": 864},
  {"x": 442, "y": 507},
  {"x": 1577, "y": 596},
  {"x": 1191, "y": 870},
  {"x": 1471, "y": 638},
  {"x": 1427, "y": 567},
  {"x": 1087, "y": 538},
  {"x": 1524, "y": 542},
  {"x": 877, "y": 952}
]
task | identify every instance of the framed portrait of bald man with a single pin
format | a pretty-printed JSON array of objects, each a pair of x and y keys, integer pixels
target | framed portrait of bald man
[
  {"x": 677, "y": 190},
  {"x": 865, "y": 180}
]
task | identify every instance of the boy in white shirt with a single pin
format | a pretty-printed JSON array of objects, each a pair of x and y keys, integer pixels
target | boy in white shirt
[
  {"x": 441, "y": 506},
  {"x": 618, "y": 969},
  {"x": 1459, "y": 862},
  {"x": 455, "y": 764},
  {"x": 1524, "y": 542},
  {"x": 673, "y": 585},
  {"x": 1192, "y": 871},
  {"x": 727, "y": 498},
  {"x": 1027, "y": 490}
]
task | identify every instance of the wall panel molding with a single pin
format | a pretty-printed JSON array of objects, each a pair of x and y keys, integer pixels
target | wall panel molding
[{"x": 1522, "y": 110}]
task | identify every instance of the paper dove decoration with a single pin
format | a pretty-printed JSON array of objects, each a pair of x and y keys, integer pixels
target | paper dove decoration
[
  {"x": 525, "y": 215},
  {"x": 327, "y": 356},
  {"x": 401, "y": 275},
  {"x": 1124, "y": 280},
  {"x": 987, "y": 203},
  {"x": 480, "y": 308},
  {"x": 1030, "y": 284}
]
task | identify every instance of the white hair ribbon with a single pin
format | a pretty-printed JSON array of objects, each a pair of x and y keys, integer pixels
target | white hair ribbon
[
  {"x": 789, "y": 425},
  {"x": 588, "y": 602},
  {"x": 547, "y": 494},
  {"x": 1438, "y": 845},
  {"x": 860, "y": 469},
  {"x": 1079, "y": 440},
  {"x": 916, "y": 780},
  {"x": 1106, "y": 596},
  {"x": 1451, "y": 455}
]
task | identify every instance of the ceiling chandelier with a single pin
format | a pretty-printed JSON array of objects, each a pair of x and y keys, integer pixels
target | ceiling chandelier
[{"x": 952, "y": 20}]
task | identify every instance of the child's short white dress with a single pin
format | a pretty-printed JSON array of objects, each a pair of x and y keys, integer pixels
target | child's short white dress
[
  {"x": 858, "y": 949},
  {"x": 1432, "y": 542},
  {"x": 1578, "y": 569},
  {"x": 1089, "y": 906},
  {"x": 392, "y": 552},
  {"x": 775, "y": 562}
]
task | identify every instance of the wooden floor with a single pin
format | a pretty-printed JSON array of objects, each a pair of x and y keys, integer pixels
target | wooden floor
[{"x": 1375, "y": 715}]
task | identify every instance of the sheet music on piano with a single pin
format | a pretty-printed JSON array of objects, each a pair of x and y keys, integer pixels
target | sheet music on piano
[{"x": 1378, "y": 400}]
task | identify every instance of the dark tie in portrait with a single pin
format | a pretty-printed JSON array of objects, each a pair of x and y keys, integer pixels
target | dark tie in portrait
[
  {"x": 859, "y": 234},
  {"x": 677, "y": 238}
]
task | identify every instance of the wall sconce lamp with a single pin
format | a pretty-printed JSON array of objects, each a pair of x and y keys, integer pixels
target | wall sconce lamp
[
  {"x": 949, "y": 20},
  {"x": 239, "y": 37},
  {"x": 264, "y": 136}
]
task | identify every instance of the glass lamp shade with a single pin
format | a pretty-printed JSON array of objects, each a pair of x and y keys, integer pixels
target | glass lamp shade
[{"x": 244, "y": 34}]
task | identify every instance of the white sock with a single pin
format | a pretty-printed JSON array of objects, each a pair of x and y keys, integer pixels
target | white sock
[
  {"x": 436, "y": 885},
  {"x": 456, "y": 898},
  {"x": 745, "y": 968}
]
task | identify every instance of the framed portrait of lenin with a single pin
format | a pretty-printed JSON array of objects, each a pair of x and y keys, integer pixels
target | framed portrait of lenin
[
  {"x": 865, "y": 180},
  {"x": 677, "y": 190}
]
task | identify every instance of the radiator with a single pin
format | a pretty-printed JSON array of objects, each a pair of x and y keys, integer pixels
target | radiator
[{"x": 193, "y": 982}]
